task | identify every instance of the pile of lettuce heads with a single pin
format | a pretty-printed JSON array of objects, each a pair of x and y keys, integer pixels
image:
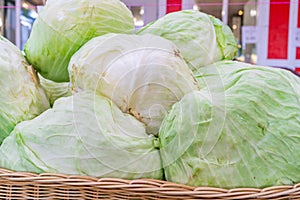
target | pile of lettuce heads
[{"x": 90, "y": 96}]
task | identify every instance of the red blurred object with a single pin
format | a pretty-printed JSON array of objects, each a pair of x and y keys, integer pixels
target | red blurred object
[
  {"x": 278, "y": 29},
  {"x": 173, "y": 5},
  {"x": 297, "y": 70},
  {"x": 298, "y": 25}
]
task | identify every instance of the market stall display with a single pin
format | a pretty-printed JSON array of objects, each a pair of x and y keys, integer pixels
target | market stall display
[{"x": 130, "y": 118}]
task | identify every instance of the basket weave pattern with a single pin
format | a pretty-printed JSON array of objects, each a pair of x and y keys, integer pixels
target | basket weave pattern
[{"x": 23, "y": 185}]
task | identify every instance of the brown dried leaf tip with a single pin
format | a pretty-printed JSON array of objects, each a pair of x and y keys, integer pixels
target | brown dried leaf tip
[
  {"x": 177, "y": 53},
  {"x": 135, "y": 114}
]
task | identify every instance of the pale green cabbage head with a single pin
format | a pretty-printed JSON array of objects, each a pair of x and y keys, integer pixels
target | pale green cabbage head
[
  {"x": 143, "y": 75},
  {"x": 63, "y": 26},
  {"x": 202, "y": 39},
  {"x": 84, "y": 134},
  {"x": 21, "y": 96},
  {"x": 55, "y": 90},
  {"x": 242, "y": 130}
]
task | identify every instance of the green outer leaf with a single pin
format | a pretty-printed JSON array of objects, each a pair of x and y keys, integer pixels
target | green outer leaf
[
  {"x": 241, "y": 130},
  {"x": 225, "y": 38},
  {"x": 62, "y": 27},
  {"x": 201, "y": 38},
  {"x": 83, "y": 134},
  {"x": 21, "y": 96},
  {"x": 55, "y": 90}
]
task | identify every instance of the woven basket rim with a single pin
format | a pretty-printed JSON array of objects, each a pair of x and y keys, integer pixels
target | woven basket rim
[{"x": 138, "y": 187}]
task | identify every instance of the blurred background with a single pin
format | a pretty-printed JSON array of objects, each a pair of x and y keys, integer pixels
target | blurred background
[{"x": 267, "y": 31}]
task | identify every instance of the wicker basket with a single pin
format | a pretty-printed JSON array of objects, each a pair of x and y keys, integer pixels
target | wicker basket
[{"x": 23, "y": 185}]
